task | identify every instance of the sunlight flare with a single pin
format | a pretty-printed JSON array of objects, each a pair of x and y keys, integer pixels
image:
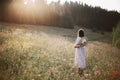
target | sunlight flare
[
  {"x": 31, "y": 2},
  {"x": 25, "y": 2},
  {"x": 30, "y": 10}
]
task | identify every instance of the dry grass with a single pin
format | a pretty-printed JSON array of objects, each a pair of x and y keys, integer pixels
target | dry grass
[{"x": 29, "y": 52}]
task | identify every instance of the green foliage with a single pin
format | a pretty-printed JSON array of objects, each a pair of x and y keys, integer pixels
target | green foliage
[
  {"x": 66, "y": 15},
  {"x": 116, "y": 36},
  {"x": 66, "y": 21}
]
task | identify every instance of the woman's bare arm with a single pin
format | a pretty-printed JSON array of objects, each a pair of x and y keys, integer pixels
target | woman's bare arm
[
  {"x": 80, "y": 45},
  {"x": 77, "y": 46},
  {"x": 83, "y": 44}
]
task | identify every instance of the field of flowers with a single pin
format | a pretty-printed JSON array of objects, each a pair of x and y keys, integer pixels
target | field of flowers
[{"x": 33, "y": 52}]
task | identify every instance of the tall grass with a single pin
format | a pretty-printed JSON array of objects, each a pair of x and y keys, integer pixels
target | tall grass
[
  {"x": 116, "y": 36},
  {"x": 43, "y": 53}
]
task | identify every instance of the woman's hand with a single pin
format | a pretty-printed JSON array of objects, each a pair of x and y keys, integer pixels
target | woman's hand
[{"x": 83, "y": 44}]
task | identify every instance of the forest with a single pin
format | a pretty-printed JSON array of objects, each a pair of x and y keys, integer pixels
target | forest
[{"x": 65, "y": 15}]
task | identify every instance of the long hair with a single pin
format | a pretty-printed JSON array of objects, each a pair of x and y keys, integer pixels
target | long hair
[{"x": 80, "y": 33}]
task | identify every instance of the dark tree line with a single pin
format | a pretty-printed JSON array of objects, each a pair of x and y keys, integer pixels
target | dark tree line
[
  {"x": 67, "y": 15},
  {"x": 92, "y": 17}
]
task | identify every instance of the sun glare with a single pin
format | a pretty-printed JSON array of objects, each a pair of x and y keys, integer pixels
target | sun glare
[
  {"x": 33, "y": 1},
  {"x": 26, "y": 2},
  {"x": 28, "y": 10}
]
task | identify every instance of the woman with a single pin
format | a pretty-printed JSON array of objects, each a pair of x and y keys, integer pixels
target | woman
[{"x": 79, "y": 52}]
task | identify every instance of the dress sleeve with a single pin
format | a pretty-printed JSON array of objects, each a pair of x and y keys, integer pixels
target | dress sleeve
[{"x": 77, "y": 41}]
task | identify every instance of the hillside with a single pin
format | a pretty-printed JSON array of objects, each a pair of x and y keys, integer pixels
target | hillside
[{"x": 34, "y": 52}]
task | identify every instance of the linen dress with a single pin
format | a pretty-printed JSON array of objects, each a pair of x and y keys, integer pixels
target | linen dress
[{"x": 80, "y": 54}]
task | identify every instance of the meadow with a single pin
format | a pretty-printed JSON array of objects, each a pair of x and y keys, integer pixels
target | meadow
[{"x": 36, "y": 52}]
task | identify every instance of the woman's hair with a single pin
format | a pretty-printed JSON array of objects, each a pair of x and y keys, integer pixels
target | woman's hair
[{"x": 80, "y": 33}]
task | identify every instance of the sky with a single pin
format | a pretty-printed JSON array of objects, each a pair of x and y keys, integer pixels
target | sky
[{"x": 105, "y": 4}]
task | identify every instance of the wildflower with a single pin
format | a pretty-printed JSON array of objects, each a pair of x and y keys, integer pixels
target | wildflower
[
  {"x": 97, "y": 73},
  {"x": 86, "y": 75},
  {"x": 39, "y": 75},
  {"x": 33, "y": 79},
  {"x": 95, "y": 68},
  {"x": 114, "y": 74},
  {"x": 64, "y": 60},
  {"x": 72, "y": 73}
]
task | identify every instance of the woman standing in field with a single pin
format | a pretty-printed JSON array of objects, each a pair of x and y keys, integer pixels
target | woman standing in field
[{"x": 80, "y": 53}]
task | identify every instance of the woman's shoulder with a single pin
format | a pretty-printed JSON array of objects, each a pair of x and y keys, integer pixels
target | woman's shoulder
[
  {"x": 78, "y": 38},
  {"x": 85, "y": 38}
]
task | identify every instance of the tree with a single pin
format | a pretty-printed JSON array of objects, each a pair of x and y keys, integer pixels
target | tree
[{"x": 116, "y": 36}]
